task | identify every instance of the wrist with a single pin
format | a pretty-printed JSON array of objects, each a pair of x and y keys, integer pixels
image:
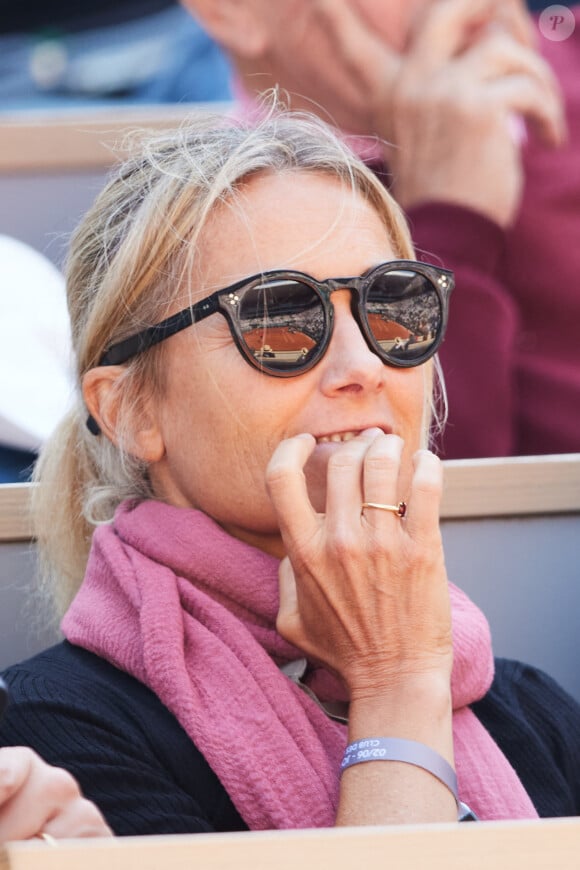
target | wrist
[
  {"x": 416, "y": 709},
  {"x": 405, "y": 684}
]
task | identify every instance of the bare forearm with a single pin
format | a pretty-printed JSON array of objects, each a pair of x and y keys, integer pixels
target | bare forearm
[
  {"x": 367, "y": 594},
  {"x": 391, "y": 792}
]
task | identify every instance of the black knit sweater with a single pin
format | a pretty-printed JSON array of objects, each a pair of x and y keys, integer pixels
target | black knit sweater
[{"x": 131, "y": 756}]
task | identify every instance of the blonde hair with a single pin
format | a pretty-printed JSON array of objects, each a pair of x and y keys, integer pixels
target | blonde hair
[{"x": 127, "y": 263}]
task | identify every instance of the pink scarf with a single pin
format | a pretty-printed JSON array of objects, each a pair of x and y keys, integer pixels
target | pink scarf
[{"x": 173, "y": 600}]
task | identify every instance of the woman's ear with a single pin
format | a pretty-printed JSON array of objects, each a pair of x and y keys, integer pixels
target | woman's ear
[
  {"x": 103, "y": 397},
  {"x": 240, "y": 26}
]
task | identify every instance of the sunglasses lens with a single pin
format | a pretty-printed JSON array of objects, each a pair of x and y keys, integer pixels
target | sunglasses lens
[
  {"x": 404, "y": 315},
  {"x": 282, "y": 323}
]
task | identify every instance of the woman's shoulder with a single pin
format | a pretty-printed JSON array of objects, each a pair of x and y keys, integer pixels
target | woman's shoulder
[
  {"x": 66, "y": 674},
  {"x": 66, "y": 693},
  {"x": 120, "y": 742},
  {"x": 537, "y": 726},
  {"x": 59, "y": 661},
  {"x": 535, "y": 694}
]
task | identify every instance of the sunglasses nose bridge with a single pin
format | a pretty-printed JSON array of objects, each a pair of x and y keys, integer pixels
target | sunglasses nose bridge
[
  {"x": 333, "y": 284},
  {"x": 353, "y": 285}
]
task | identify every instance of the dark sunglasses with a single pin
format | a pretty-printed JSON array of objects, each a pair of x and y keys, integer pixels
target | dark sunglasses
[{"x": 281, "y": 321}]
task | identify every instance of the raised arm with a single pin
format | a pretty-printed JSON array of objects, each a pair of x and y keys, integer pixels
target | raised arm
[{"x": 367, "y": 595}]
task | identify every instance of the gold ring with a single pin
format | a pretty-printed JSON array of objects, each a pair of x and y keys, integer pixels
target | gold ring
[
  {"x": 48, "y": 838},
  {"x": 399, "y": 509}
]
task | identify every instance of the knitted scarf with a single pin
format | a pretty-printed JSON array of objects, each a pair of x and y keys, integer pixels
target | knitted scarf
[{"x": 176, "y": 602}]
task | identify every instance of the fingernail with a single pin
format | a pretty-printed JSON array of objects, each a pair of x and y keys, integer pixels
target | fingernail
[
  {"x": 372, "y": 432},
  {"x": 419, "y": 454}
]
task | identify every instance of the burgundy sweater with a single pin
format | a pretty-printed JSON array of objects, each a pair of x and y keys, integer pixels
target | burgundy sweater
[{"x": 512, "y": 353}]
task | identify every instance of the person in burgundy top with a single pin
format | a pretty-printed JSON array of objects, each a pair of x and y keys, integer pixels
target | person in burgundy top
[{"x": 486, "y": 195}]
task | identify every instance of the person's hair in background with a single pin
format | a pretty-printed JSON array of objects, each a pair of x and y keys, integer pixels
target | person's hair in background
[{"x": 133, "y": 254}]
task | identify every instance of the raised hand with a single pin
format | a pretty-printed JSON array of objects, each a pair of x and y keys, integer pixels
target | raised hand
[{"x": 363, "y": 592}]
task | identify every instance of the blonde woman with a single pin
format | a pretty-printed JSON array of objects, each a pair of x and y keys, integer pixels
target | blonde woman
[{"x": 265, "y": 635}]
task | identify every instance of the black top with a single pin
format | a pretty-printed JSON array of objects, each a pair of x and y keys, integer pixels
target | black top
[{"x": 132, "y": 757}]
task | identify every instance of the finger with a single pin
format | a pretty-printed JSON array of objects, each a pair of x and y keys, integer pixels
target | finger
[
  {"x": 422, "y": 517},
  {"x": 42, "y": 794},
  {"x": 286, "y": 486},
  {"x": 344, "y": 481},
  {"x": 288, "y": 611},
  {"x": 288, "y": 594},
  {"x": 498, "y": 58},
  {"x": 445, "y": 31},
  {"x": 79, "y": 817},
  {"x": 499, "y": 55},
  {"x": 519, "y": 95},
  {"x": 15, "y": 766},
  {"x": 381, "y": 475},
  {"x": 16, "y": 822},
  {"x": 516, "y": 19}
]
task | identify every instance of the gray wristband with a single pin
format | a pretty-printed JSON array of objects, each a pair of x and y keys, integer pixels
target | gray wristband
[{"x": 408, "y": 751}]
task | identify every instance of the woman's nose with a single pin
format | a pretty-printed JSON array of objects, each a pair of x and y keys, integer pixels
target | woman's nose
[{"x": 349, "y": 365}]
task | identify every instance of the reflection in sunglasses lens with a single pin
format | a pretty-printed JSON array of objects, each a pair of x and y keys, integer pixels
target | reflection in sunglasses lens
[
  {"x": 404, "y": 314},
  {"x": 282, "y": 322}
]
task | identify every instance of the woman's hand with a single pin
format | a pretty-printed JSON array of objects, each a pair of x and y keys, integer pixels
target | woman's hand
[
  {"x": 364, "y": 593},
  {"x": 450, "y": 104},
  {"x": 36, "y": 798}
]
